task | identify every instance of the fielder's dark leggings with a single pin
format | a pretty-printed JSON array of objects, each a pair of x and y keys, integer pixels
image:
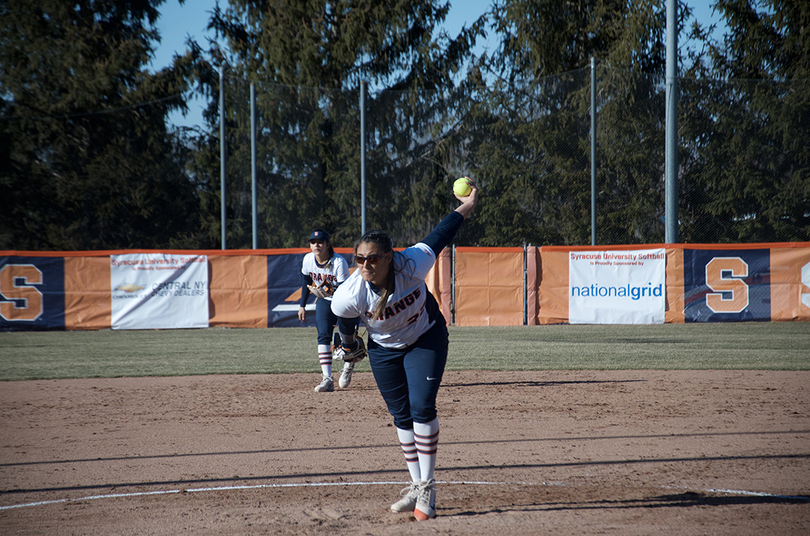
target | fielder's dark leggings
[
  {"x": 325, "y": 320},
  {"x": 409, "y": 379}
]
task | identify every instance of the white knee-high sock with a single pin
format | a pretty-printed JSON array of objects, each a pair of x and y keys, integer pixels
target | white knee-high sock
[
  {"x": 406, "y": 441},
  {"x": 426, "y": 437},
  {"x": 325, "y": 357}
]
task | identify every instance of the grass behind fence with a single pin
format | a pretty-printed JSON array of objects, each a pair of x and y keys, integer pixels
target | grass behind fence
[{"x": 106, "y": 353}]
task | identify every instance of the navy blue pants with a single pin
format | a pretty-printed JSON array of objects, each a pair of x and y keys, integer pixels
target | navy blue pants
[
  {"x": 325, "y": 321},
  {"x": 409, "y": 378}
]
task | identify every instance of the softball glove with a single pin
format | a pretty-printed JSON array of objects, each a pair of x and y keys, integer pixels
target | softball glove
[
  {"x": 348, "y": 355},
  {"x": 322, "y": 290}
]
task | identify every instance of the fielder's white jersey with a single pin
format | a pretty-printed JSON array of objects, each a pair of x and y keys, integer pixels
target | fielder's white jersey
[
  {"x": 405, "y": 318},
  {"x": 335, "y": 271}
]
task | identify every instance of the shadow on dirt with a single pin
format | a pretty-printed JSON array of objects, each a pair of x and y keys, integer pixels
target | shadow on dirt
[
  {"x": 688, "y": 499},
  {"x": 535, "y": 383}
]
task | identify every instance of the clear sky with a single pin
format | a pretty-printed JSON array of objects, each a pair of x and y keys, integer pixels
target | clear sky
[{"x": 178, "y": 22}]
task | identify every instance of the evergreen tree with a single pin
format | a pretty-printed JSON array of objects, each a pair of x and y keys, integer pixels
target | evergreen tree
[
  {"x": 747, "y": 129},
  {"x": 532, "y": 127},
  {"x": 87, "y": 160},
  {"x": 307, "y": 59}
]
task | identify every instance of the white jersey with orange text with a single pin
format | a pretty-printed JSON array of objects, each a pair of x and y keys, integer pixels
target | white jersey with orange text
[
  {"x": 405, "y": 318},
  {"x": 336, "y": 271}
]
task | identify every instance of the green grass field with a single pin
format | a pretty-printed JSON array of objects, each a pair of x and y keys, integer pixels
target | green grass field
[{"x": 94, "y": 354}]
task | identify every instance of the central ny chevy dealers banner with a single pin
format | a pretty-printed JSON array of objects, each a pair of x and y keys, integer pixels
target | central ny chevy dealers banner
[
  {"x": 157, "y": 291},
  {"x": 616, "y": 287}
]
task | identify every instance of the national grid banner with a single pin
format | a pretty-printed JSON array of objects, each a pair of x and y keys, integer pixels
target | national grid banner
[
  {"x": 158, "y": 291},
  {"x": 616, "y": 287}
]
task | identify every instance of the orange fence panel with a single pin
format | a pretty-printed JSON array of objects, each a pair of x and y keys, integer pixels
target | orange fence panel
[
  {"x": 238, "y": 291},
  {"x": 489, "y": 287},
  {"x": 552, "y": 293},
  {"x": 88, "y": 298},
  {"x": 675, "y": 293},
  {"x": 790, "y": 284}
]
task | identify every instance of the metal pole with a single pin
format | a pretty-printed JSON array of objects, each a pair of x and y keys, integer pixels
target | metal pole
[
  {"x": 593, "y": 151},
  {"x": 671, "y": 162},
  {"x": 223, "y": 154},
  {"x": 253, "y": 165},
  {"x": 363, "y": 157}
]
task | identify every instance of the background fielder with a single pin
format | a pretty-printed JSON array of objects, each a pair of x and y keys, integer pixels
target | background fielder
[{"x": 323, "y": 271}]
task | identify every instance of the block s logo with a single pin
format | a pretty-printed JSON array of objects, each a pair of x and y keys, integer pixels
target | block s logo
[
  {"x": 24, "y": 300},
  {"x": 724, "y": 275}
]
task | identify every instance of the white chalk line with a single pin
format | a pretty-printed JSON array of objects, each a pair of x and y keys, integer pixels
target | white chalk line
[
  {"x": 744, "y": 493},
  {"x": 327, "y": 484}
]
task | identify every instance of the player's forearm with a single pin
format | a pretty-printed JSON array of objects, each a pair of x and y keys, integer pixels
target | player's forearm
[
  {"x": 465, "y": 209},
  {"x": 346, "y": 328},
  {"x": 443, "y": 234},
  {"x": 307, "y": 280}
]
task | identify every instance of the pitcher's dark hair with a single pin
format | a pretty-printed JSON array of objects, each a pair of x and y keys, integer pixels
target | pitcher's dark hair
[{"x": 385, "y": 244}]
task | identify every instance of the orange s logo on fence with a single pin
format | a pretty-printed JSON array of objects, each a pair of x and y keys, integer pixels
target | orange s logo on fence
[
  {"x": 724, "y": 276},
  {"x": 24, "y": 300}
]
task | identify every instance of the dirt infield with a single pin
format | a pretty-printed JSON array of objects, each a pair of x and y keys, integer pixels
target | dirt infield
[{"x": 621, "y": 452}]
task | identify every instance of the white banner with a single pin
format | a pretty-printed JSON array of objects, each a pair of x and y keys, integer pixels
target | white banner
[
  {"x": 158, "y": 291},
  {"x": 616, "y": 287}
]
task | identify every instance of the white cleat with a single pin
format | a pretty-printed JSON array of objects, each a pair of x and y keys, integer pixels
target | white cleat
[
  {"x": 346, "y": 375},
  {"x": 408, "y": 500},
  {"x": 326, "y": 385},
  {"x": 426, "y": 501}
]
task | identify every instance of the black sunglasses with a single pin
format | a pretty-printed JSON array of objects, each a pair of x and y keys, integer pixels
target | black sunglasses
[{"x": 371, "y": 259}]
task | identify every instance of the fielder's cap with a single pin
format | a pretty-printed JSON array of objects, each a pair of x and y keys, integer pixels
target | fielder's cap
[{"x": 319, "y": 234}]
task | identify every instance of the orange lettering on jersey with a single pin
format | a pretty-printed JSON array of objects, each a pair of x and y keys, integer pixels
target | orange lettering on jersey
[
  {"x": 724, "y": 276},
  {"x": 402, "y": 304},
  {"x": 27, "y": 304},
  {"x": 319, "y": 277}
]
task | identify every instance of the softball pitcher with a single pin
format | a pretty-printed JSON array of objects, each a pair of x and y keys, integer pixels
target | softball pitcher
[{"x": 407, "y": 345}]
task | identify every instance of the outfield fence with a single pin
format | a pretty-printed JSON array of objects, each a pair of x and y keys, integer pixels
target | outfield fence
[{"x": 631, "y": 284}]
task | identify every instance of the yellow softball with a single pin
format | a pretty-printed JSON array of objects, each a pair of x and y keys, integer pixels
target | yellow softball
[{"x": 462, "y": 187}]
